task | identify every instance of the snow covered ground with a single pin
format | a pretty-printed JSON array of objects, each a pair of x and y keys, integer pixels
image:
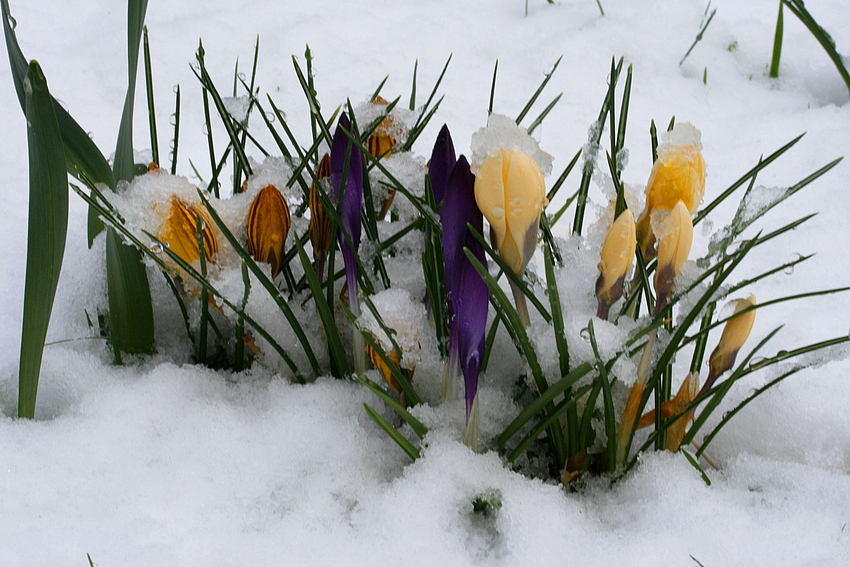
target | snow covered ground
[{"x": 164, "y": 463}]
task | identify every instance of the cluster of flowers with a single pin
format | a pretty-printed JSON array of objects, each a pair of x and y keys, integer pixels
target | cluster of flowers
[{"x": 504, "y": 183}]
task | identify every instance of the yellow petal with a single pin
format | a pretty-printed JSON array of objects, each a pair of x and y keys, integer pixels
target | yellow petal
[
  {"x": 179, "y": 232},
  {"x": 735, "y": 334},
  {"x": 677, "y": 175},
  {"x": 675, "y": 234},
  {"x": 618, "y": 250},
  {"x": 267, "y": 226},
  {"x": 511, "y": 193},
  {"x": 320, "y": 224}
]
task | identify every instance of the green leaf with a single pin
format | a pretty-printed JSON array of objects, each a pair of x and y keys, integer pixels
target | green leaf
[
  {"x": 394, "y": 433},
  {"x": 124, "y": 164},
  {"x": 48, "y": 224},
  {"x": 131, "y": 326},
  {"x": 777, "y": 43},
  {"x": 417, "y": 426},
  {"x": 798, "y": 8},
  {"x": 339, "y": 362}
]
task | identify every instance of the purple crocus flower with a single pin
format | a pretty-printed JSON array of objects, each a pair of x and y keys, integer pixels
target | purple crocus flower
[
  {"x": 442, "y": 162},
  {"x": 352, "y": 197},
  {"x": 347, "y": 185},
  {"x": 467, "y": 293}
]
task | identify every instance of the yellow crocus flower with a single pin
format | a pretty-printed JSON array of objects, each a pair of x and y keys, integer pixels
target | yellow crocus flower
[
  {"x": 179, "y": 232},
  {"x": 618, "y": 250},
  {"x": 267, "y": 225},
  {"x": 511, "y": 193},
  {"x": 677, "y": 175}
]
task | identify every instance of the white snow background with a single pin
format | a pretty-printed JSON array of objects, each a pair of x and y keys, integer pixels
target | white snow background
[{"x": 163, "y": 463}]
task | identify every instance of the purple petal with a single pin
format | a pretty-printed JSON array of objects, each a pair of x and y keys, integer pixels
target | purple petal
[
  {"x": 470, "y": 307},
  {"x": 352, "y": 197},
  {"x": 442, "y": 162},
  {"x": 467, "y": 293}
]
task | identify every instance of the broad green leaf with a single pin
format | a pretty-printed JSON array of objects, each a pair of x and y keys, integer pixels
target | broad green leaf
[{"x": 48, "y": 224}]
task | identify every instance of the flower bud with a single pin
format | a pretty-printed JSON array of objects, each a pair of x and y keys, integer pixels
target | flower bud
[
  {"x": 320, "y": 228},
  {"x": 380, "y": 144},
  {"x": 267, "y": 226},
  {"x": 677, "y": 175},
  {"x": 675, "y": 232},
  {"x": 382, "y": 366},
  {"x": 511, "y": 194},
  {"x": 734, "y": 336},
  {"x": 618, "y": 250},
  {"x": 179, "y": 232}
]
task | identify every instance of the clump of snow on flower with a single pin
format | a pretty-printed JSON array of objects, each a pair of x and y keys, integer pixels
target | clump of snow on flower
[{"x": 503, "y": 132}]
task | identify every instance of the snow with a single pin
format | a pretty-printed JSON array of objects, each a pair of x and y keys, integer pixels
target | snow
[{"x": 164, "y": 462}]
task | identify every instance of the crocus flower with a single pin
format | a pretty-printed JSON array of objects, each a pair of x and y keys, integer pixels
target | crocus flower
[
  {"x": 673, "y": 407},
  {"x": 468, "y": 295},
  {"x": 734, "y": 336},
  {"x": 320, "y": 225},
  {"x": 179, "y": 232},
  {"x": 618, "y": 250},
  {"x": 511, "y": 193},
  {"x": 347, "y": 190},
  {"x": 267, "y": 226},
  {"x": 380, "y": 144},
  {"x": 677, "y": 175},
  {"x": 441, "y": 164},
  {"x": 675, "y": 233}
]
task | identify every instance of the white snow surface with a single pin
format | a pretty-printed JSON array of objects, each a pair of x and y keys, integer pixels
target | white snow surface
[{"x": 161, "y": 462}]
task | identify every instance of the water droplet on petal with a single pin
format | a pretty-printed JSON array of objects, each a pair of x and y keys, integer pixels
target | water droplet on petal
[
  {"x": 156, "y": 248},
  {"x": 167, "y": 245},
  {"x": 517, "y": 212},
  {"x": 538, "y": 202},
  {"x": 585, "y": 334},
  {"x": 516, "y": 201},
  {"x": 498, "y": 212}
]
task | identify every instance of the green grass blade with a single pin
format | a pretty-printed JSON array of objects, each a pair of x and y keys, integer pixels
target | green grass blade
[
  {"x": 149, "y": 93},
  {"x": 176, "y": 138},
  {"x": 777, "y": 43},
  {"x": 417, "y": 426},
  {"x": 798, "y": 8},
  {"x": 339, "y": 363},
  {"x": 746, "y": 177},
  {"x": 124, "y": 164},
  {"x": 565, "y": 405},
  {"x": 542, "y": 401},
  {"x": 590, "y": 155},
  {"x": 493, "y": 86},
  {"x": 539, "y": 90},
  {"x": 699, "y": 35},
  {"x": 394, "y": 434},
  {"x": 47, "y": 228},
  {"x": 608, "y": 415},
  {"x": 412, "y": 105}
]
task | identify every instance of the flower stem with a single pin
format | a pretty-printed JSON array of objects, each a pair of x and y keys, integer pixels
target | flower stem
[{"x": 521, "y": 305}]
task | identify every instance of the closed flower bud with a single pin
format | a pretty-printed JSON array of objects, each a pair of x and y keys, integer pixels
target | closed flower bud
[
  {"x": 676, "y": 431},
  {"x": 675, "y": 232},
  {"x": 267, "y": 226},
  {"x": 383, "y": 368},
  {"x": 381, "y": 142},
  {"x": 618, "y": 250},
  {"x": 179, "y": 232},
  {"x": 320, "y": 229},
  {"x": 511, "y": 194},
  {"x": 677, "y": 175},
  {"x": 734, "y": 336}
]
